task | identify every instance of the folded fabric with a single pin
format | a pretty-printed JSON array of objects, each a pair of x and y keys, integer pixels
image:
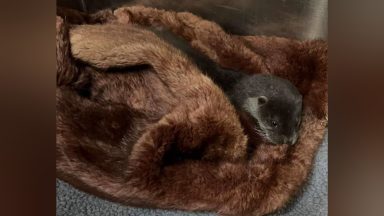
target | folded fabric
[{"x": 139, "y": 124}]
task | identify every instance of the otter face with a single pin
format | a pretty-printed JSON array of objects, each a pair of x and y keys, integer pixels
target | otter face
[{"x": 278, "y": 120}]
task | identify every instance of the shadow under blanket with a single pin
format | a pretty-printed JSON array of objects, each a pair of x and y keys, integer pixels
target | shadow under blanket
[{"x": 139, "y": 124}]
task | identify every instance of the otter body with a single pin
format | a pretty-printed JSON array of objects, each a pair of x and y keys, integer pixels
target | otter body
[{"x": 274, "y": 102}]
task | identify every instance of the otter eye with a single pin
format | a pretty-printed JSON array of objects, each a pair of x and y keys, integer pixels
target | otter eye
[{"x": 274, "y": 123}]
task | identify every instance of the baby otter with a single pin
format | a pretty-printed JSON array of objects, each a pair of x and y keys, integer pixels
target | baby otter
[{"x": 275, "y": 103}]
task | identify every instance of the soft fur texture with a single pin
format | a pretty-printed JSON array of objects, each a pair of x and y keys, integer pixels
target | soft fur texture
[{"x": 159, "y": 133}]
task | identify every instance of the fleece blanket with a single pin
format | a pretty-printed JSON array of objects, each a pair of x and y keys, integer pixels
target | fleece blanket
[{"x": 139, "y": 124}]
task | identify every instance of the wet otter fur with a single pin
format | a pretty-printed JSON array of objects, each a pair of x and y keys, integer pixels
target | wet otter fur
[{"x": 119, "y": 151}]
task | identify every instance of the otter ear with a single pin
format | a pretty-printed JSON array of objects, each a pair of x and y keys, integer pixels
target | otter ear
[
  {"x": 253, "y": 103},
  {"x": 261, "y": 100}
]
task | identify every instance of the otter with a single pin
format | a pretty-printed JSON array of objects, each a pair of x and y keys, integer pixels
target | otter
[{"x": 273, "y": 102}]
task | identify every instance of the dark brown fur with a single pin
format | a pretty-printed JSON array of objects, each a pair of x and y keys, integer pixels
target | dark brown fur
[{"x": 144, "y": 137}]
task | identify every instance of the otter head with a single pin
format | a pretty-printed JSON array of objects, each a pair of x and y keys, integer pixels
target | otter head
[{"x": 278, "y": 118}]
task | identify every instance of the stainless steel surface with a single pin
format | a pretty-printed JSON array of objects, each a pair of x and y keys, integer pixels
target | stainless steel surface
[{"x": 289, "y": 18}]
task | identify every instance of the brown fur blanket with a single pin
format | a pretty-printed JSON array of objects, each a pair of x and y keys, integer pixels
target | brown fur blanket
[{"x": 139, "y": 124}]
